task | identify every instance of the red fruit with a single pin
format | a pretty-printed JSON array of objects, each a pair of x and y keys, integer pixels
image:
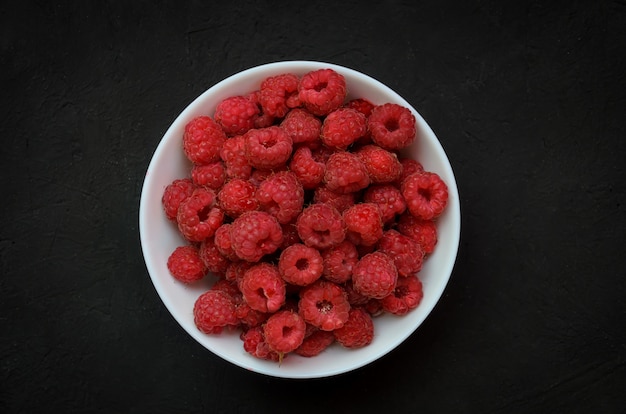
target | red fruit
[
  {"x": 264, "y": 119},
  {"x": 255, "y": 234},
  {"x": 422, "y": 231},
  {"x": 382, "y": 166},
  {"x": 300, "y": 265},
  {"x": 263, "y": 288},
  {"x": 209, "y": 175},
  {"x": 345, "y": 173},
  {"x": 290, "y": 235},
  {"x": 238, "y": 196},
  {"x": 375, "y": 275},
  {"x": 389, "y": 200},
  {"x": 406, "y": 253},
  {"x": 426, "y": 195},
  {"x": 278, "y": 94},
  {"x": 249, "y": 317},
  {"x": 215, "y": 262},
  {"x": 362, "y": 105},
  {"x": 284, "y": 331},
  {"x": 267, "y": 148},
  {"x": 358, "y": 331},
  {"x": 185, "y": 264},
  {"x": 342, "y": 127},
  {"x": 315, "y": 343},
  {"x": 198, "y": 216},
  {"x": 223, "y": 243},
  {"x": 236, "y": 115},
  {"x": 282, "y": 196},
  {"x": 406, "y": 296},
  {"x": 214, "y": 310},
  {"x": 254, "y": 344},
  {"x": 339, "y": 261},
  {"x": 233, "y": 153},
  {"x": 409, "y": 166},
  {"x": 363, "y": 223},
  {"x": 309, "y": 172},
  {"x": 174, "y": 194},
  {"x": 324, "y": 305},
  {"x": 202, "y": 140},
  {"x": 340, "y": 201},
  {"x": 392, "y": 126},
  {"x": 302, "y": 126},
  {"x": 321, "y": 226},
  {"x": 322, "y": 91}
]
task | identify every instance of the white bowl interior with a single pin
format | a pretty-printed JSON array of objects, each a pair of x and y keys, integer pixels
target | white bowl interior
[{"x": 159, "y": 237}]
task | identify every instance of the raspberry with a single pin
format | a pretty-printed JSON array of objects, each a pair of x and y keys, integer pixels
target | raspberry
[
  {"x": 282, "y": 196},
  {"x": 406, "y": 296},
  {"x": 254, "y": 344},
  {"x": 345, "y": 173},
  {"x": 302, "y": 126},
  {"x": 267, "y": 148},
  {"x": 258, "y": 176},
  {"x": 389, "y": 200},
  {"x": 263, "y": 120},
  {"x": 310, "y": 172},
  {"x": 284, "y": 331},
  {"x": 230, "y": 288},
  {"x": 363, "y": 223},
  {"x": 315, "y": 343},
  {"x": 233, "y": 153},
  {"x": 405, "y": 252},
  {"x": 354, "y": 297},
  {"x": 342, "y": 127},
  {"x": 340, "y": 201},
  {"x": 250, "y": 317},
  {"x": 339, "y": 262},
  {"x": 236, "y": 270},
  {"x": 238, "y": 196},
  {"x": 186, "y": 265},
  {"x": 409, "y": 166},
  {"x": 382, "y": 166},
  {"x": 300, "y": 265},
  {"x": 263, "y": 288},
  {"x": 236, "y": 115},
  {"x": 290, "y": 235},
  {"x": 214, "y": 261},
  {"x": 202, "y": 140},
  {"x": 375, "y": 275},
  {"x": 392, "y": 126},
  {"x": 255, "y": 234},
  {"x": 322, "y": 91},
  {"x": 175, "y": 193},
  {"x": 362, "y": 105},
  {"x": 324, "y": 305},
  {"x": 223, "y": 243},
  {"x": 278, "y": 94},
  {"x": 321, "y": 226},
  {"x": 426, "y": 195},
  {"x": 422, "y": 231},
  {"x": 358, "y": 331},
  {"x": 214, "y": 310},
  {"x": 198, "y": 217},
  {"x": 209, "y": 175},
  {"x": 374, "y": 307}
]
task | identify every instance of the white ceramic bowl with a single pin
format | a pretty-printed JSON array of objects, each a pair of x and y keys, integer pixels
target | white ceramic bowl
[{"x": 159, "y": 237}]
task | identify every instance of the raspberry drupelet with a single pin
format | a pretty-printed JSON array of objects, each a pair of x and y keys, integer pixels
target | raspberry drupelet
[{"x": 255, "y": 234}]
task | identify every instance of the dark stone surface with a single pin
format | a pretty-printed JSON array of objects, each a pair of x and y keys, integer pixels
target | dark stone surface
[{"x": 527, "y": 98}]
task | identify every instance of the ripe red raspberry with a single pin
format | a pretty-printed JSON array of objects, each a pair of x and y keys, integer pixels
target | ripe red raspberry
[
  {"x": 342, "y": 127},
  {"x": 249, "y": 317},
  {"x": 282, "y": 196},
  {"x": 406, "y": 253},
  {"x": 300, "y": 265},
  {"x": 236, "y": 115},
  {"x": 290, "y": 235},
  {"x": 236, "y": 270},
  {"x": 198, "y": 217},
  {"x": 358, "y": 331},
  {"x": 310, "y": 172},
  {"x": 186, "y": 265},
  {"x": 223, "y": 243},
  {"x": 209, "y": 175},
  {"x": 422, "y": 231},
  {"x": 302, "y": 126},
  {"x": 392, "y": 126},
  {"x": 426, "y": 195},
  {"x": 321, "y": 226},
  {"x": 258, "y": 176},
  {"x": 254, "y": 344},
  {"x": 360, "y": 104},
  {"x": 389, "y": 200},
  {"x": 175, "y": 193},
  {"x": 322, "y": 91},
  {"x": 202, "y": 140},
  {"x": 230, "y": 288},
  {"x": 214, "y": 310},
  {"x": 339, "y": 261},
  {"x": 278, "y": 94},
  {"x": 374, "y": 307},
  {"x": 263, "y": 288},
  {"x": 324, "y": 305},
  {"x": 409, "y": 166},
  {"x": 315, "y": 343},
  {"x": 263, "y": 120},
  {"x": 215, "y": 262},
  {"x": 363, "y": 223},
  {"x": 345, "y": 173},
  {"x": 267, "y": 148},
  {"x": 233, "y": 153},
  {"x": 375, "y": 275},
  {"x": 284, "y": 331},
  {"x": 238, "y": 196},
  {"x": 255, "y": 234},
  {"x": 382, "y": 166},
  {"x": 340, "y": 201},
  {"x": 355, "y": 298},
  {"x": 406, "y": 296}
]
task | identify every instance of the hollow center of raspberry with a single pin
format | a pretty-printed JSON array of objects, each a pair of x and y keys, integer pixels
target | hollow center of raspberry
[
  {"x": 424, "y": 193},
  {"x": 401, "y": 291},
  {"x": 320, "y": 86},
  {"x": 287, "y": 330},
  {"x": 391, "y": 125},
  {"x": 324, "y": 306},
  {"x": 302, "y": 264},
  {"x": 269, "y": 143},
  {"x": 204, "y": 213}
]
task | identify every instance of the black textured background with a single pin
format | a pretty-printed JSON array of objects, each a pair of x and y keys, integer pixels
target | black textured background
[{"x": 528, "y": 99}]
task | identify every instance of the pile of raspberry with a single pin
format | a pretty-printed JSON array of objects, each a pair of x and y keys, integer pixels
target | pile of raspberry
[{"x": 299, "y": 202}]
